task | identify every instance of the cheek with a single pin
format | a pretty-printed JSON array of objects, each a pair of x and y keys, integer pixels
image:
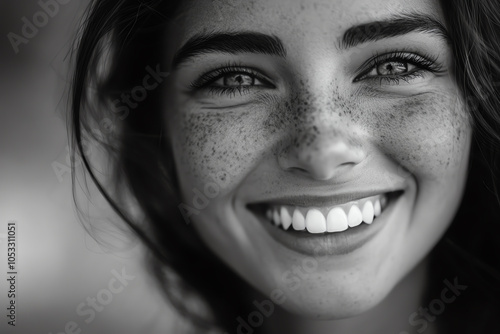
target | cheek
[
  {"x": 221, "y": 145},
  {"x": 428, "y": 135}
]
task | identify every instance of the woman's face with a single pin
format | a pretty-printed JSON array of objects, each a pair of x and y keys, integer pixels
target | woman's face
[{"x": 321, "y": 146}]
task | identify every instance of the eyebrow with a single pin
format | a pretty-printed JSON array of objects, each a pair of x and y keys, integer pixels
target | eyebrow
[
  {"x": 232, "y": 43},
  {"x": 254, "y": 42},
  {"x": 395, "y": 26}
]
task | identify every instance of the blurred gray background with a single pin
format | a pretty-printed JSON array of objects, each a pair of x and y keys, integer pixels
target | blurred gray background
[{"x": 59, "y": 265}]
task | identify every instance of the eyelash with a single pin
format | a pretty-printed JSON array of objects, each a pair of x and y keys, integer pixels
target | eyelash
[
  {"x": 218, "y": 73},
  {"x": 423, "y": 63}
]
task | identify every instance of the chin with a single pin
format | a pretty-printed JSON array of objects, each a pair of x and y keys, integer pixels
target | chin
[{"x": 322, "y": 304}]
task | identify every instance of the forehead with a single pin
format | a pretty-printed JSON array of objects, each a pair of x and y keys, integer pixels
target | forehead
[{"x": 292, "y": 19}]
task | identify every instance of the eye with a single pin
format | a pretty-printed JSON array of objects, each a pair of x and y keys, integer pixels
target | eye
[
  {"x": 237, "y": 80},
  {"x": 231, "y": 80},
  {"x": 393, "y": 68},
  {"x": 396, "y": 66}
]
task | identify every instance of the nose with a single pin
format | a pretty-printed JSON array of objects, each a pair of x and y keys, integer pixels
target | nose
[{"x": 322, "y": 151}]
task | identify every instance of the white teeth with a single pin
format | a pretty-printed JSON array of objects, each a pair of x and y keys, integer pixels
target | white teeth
[
  {"x": 368, "y": 212},
  {"x": 336, "y": 220},
  {"x": 298, "y": 221},
  {"x": 276, "y": 217},
  {"x": 269, "y": 214},
  {"x": 377, "y": 209},
  {"x": 355, "y": 216},
  {"x": 315, "y": 221},
  {"x": 383, "y": 201},
  {"x": 286, "y": 220}
]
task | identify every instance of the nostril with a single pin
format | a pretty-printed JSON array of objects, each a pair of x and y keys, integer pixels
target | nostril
[
  {"x": 297, "y": 170},
  {"x": 349, "y": 163},
  {"x": 319, "y": 166}
]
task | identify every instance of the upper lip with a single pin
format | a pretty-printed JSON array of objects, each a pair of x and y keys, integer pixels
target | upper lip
[{"x": 324, "y": 201}]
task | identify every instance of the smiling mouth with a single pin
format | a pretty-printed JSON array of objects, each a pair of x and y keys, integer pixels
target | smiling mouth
[
  {"x": 324, "y": 220},
  {"x": 325, "y": 229}
]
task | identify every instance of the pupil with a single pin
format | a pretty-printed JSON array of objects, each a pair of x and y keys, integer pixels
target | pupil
[
  {"x": 238, "y": 80},
  {"x": 392, "y": 68}
]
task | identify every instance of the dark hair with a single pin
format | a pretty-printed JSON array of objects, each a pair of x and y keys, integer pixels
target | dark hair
[
  {"x": 130, "y": 34},
  {"x": 470, "y": 248},
  {"x": 474, "y": 28},
  {"x": 142, "y": 164}
]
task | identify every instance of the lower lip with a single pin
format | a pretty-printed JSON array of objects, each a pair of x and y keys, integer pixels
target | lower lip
[{"x": 340, "y": 243}]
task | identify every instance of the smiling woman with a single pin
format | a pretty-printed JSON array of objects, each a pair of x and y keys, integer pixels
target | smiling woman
[{"x": 318, "y": 151}]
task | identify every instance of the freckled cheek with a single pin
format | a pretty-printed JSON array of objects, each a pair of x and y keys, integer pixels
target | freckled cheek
[
  {"x": 430, "y": 138},
  {"x": 217, "y": 146}
]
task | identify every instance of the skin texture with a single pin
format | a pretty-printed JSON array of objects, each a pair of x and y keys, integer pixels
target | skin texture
[{"x": 317, "y": 132}]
